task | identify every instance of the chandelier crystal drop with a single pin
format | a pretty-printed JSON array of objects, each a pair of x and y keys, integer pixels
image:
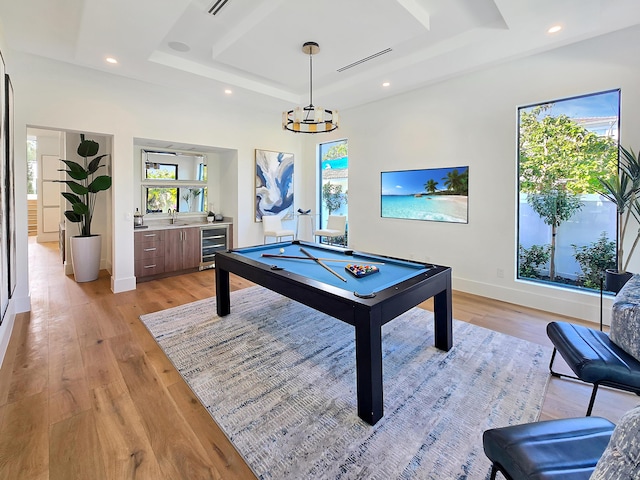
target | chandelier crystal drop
[{"x": 310, "y": 119}]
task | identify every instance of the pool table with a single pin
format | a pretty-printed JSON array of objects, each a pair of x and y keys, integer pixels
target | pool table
[{"x": 367, "y": 303}]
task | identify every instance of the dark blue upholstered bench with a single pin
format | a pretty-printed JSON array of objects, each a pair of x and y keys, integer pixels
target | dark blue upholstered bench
[
  {"x": 566, "y": 449},
  {"x": 594, "y": 358}
]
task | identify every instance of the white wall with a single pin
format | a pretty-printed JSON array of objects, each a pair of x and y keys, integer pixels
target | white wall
[{"x": 472, "y": 120}]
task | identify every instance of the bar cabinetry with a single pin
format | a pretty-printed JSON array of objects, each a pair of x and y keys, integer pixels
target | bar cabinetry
[
  {"x": 166, "y": 250},
  {"x": 181, "y": 249},
  {"x": 149, "y": 253}
]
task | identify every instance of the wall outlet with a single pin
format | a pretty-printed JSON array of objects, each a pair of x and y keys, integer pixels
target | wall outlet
[{"x": 500, "y": 273}]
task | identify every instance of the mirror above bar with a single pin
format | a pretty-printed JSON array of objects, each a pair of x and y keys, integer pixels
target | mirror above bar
[{"x": 174, "y": 181}]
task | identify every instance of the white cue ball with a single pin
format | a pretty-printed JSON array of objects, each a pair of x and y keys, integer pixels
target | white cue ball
[{"x": 282, "y": 250}]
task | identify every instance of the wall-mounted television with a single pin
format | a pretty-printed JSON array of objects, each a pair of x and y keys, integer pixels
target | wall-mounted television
[{"x": 432, "y": 194}]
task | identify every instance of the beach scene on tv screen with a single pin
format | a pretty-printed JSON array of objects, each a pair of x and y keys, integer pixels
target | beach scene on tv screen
[{"x": 435, "y": 194}]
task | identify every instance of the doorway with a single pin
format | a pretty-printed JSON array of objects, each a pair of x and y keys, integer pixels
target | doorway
[{"x": 47, "y": 223}]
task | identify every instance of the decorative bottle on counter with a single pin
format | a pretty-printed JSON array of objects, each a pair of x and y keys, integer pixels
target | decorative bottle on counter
[{"x": 138, "y": 220}]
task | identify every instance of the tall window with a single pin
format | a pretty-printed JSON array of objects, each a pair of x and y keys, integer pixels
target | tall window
[
  {"x": 567, "y": 231},
  {"x": 334, "y": 181}
]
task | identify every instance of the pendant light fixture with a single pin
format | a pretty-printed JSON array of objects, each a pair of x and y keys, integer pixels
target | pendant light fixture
[{"x": 310, "y": 119}]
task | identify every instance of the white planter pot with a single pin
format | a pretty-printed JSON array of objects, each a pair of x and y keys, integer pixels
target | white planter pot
[{"x": 85, "y": 257}]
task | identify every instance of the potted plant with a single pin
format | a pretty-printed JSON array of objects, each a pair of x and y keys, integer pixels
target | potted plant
[
  {"x": 623, "y": 189},
  {"x": 85, "y": 184},
  {"x": 211, "y": 216}
]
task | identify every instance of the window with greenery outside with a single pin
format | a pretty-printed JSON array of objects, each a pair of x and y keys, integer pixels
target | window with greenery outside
[
  {"x": 564, "y": 148},
  {"x": 334, "y": 181}
]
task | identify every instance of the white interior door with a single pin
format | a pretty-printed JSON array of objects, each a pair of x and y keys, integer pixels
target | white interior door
[{"x": 50, "y": 193}]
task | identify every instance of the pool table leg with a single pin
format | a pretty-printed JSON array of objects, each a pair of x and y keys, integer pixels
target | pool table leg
[
  {"x": 369, "y": 367},
  {"x": 223, "y": 299},
  {"x": 442, "y": 312}
]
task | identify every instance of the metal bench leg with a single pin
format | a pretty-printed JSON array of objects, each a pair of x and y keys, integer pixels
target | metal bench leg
[
  {"x": 553, "y": 357},
  {"x": 560, "y": 375},
  {"x": 494, "y": 470},
  {"x": 593, "y": 399}
]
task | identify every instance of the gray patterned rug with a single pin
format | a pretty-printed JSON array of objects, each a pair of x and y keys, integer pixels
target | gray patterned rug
[{"x": 279, "y": 378}]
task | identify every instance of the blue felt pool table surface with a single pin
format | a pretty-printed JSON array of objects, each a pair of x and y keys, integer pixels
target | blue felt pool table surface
[{"x": 391, "y": 271}]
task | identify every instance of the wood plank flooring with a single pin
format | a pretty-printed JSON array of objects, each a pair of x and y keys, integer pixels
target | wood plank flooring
[{"x": 85, "y": 392}]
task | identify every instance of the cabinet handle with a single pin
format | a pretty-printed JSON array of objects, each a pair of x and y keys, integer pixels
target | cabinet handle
[
  {"x": 150, "y": 249},
  {"x": 149, "y": 234},
  {"x": 150, "y": 266}
]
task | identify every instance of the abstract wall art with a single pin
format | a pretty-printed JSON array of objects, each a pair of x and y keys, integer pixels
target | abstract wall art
[{"x": 274, "y": 183}]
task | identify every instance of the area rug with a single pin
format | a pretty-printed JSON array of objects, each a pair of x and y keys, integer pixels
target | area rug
[{"x": 279, "y": 379}]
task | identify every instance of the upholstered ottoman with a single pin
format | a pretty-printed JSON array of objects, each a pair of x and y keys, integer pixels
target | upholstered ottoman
[{"x": 566, "y": 449}]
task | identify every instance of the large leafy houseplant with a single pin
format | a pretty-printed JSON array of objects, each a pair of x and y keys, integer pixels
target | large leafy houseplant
[
  {"x": 623, "y": 189},
  {"x": 85, "y": 184}
]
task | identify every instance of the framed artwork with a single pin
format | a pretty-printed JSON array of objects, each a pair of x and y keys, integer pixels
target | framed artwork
[
  {"x": 434, "y": 194},
  {"x": 4, "y": 195},
  {"x": 11, "y": 195},
  {"x": 274, "y": 183}
]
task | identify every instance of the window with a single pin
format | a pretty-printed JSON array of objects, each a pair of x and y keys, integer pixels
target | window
[
  {"x": 334, "y": 182},
  {"x": 174, "y": 181},
  {"x": 566, "y": 230}
]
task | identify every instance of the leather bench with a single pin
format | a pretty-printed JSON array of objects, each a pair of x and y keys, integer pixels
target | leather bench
[
  {"x": 566, "y": 449},
  {"x": 594, "y": 358}
]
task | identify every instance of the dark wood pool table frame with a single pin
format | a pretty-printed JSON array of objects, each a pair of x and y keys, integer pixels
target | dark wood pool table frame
[{"x": 367, "y": 315}]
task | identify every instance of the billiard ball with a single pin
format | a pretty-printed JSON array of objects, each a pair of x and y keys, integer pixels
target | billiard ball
[{"x": 282, "y": 250}]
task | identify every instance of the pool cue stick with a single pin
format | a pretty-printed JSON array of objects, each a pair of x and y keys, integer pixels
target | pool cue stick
[
  {"x": 319, "y": 262},
  {"x": 297, "y": 257}
]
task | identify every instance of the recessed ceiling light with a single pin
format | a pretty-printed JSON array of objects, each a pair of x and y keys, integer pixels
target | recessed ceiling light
[
  {"x": 228, "y": 92},
  {"x": 555, "y": 29},
  {"x": 111, "y": 60},
  {"x": 386, "y": 84},
  {"x": 179, "y": 46}
]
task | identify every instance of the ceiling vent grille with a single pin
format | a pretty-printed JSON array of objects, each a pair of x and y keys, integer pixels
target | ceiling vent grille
[
  {"x": 366, "y": 59},
  {"x": 217, "y": 6}
]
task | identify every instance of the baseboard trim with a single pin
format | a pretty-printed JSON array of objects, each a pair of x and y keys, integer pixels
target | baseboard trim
[
  {"x": 576, "y": 304},
  {"x": 5, "y": 330},
  {"x": 123, "y": 284},
  {"x": 22, "y": 304}
]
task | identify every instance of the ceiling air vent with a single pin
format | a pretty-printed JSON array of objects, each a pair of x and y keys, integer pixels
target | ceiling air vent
[
  {"x": 217, "y": 6},
  {"x": 362, "y": 60}
]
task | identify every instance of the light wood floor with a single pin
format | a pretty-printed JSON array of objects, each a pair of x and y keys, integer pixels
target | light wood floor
[{"x": 85, "y": 392}]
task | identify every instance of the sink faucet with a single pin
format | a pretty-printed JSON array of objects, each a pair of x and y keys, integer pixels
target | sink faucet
[{"x": 174, "y": 214}]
